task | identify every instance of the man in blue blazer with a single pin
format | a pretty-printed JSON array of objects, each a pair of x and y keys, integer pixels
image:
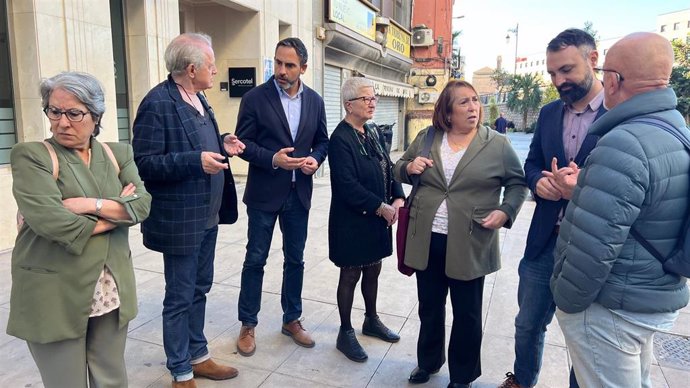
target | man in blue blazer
[
  {"x": 283, "y": 125},
  {"x": 183, "y": 162},
  {"x": 560, "y": 142}
]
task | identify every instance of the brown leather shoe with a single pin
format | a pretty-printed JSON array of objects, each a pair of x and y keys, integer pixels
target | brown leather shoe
[
  {"x": 184, "y": 384},
  {"x": 295, "y": 330},
  {"x": 213, "y": 371},
  {"x": 246, "y": 345},
  {"x": 510, "y": 381}
]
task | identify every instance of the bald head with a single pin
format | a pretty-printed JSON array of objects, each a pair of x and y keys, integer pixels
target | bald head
[{"x": 645, "y": 60}]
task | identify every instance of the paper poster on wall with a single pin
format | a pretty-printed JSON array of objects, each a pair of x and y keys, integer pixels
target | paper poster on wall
[{"x": 268, "y": 68}]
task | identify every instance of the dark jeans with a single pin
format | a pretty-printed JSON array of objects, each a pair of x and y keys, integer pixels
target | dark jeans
[
  {"x": 537, "y": 308},
  {"x": 464, "y": 349},
  {"x": 293, "y": 219},
  {"x": 188, "y": 279}
]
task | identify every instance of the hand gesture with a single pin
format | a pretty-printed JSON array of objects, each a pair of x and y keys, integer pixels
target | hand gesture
[
  {"x": 310, "y": 165},
  {"x": 211, "y": 162},
  {"x": 563, "y": 179},
  {"x": 388, "y": 213},
  {"x": 495, "y": 220},
  {"x": 418, "y": 165},
  {"x": 233, "y": 146},
  {"x": 397, "y": 204},
  {"x": 286, "y": 162}
]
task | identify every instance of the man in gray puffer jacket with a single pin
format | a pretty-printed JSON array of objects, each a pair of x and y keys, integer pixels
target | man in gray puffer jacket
[{"x": 612, "y": 294}]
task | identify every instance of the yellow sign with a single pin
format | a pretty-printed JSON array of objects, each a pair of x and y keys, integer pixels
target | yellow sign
[
  {"x": 355, "y": 16},
  {"x": 398, "y": 40}
]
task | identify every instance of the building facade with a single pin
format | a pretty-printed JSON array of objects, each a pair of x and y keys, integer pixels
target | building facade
[
  {"x": 432, "y": 60},
  {"x": 369, "y": 39},
  {"x": 122, "y": 43}
]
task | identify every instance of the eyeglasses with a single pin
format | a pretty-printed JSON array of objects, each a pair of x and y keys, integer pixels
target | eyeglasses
[
  {"x": 367, "y": 100},
  {"x": 73, "y": 115},
  {"x": 601, "y": 71}
]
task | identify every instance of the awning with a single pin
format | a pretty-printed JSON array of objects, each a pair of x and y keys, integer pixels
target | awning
[{"x": 385, "y": 87}]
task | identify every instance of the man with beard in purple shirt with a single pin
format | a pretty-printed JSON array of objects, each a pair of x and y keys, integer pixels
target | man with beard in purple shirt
[{"x": 560, "y": 142}]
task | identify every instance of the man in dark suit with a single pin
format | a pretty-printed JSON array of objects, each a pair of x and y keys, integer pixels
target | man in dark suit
[
  {"x": 183, "y": 162},
  {"x": 560, "y": 143},
  {"x": 283, "y": 124}
]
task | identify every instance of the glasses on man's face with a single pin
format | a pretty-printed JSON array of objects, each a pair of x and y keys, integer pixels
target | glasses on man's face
[
  {"x": 601, "y": 71},
  {"x": 367, "y": 100},
  {"x": 73, "y": 115}
]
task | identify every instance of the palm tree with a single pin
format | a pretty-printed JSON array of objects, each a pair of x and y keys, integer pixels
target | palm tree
[{"x": 524, "y": 95}]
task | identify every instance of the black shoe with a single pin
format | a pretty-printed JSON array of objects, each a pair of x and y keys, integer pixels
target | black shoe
[
  {"x": 373, "y": 326},
  {"x": 348, "y": 344},
  {"x": 459, "y": 385},
  {"x": 420, "y": 376}
]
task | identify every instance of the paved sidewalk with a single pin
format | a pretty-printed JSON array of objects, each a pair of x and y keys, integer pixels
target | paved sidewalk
[{"x": 278, "y": 362}]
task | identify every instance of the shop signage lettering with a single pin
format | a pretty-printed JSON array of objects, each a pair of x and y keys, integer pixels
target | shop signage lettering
[
  {"x": 242, "y": 80},
  {"x": 353, "y": 15},
  {"x": 398, "y": 40}
]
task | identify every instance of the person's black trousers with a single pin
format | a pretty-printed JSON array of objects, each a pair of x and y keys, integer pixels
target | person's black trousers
[{"x": 464, "y": 350}]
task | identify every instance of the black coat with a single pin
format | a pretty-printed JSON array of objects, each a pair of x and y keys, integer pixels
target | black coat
[{"x": 356, "y": 235}]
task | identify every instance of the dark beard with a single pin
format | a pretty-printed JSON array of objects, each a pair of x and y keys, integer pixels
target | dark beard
[{"x": 576, "y": 91}]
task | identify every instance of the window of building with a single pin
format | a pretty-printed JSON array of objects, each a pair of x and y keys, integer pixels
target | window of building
[
  {"x": 117, "y": 22},
  {"x": 663, "y": 28},
  {"x": 8, "y": 133},
  {"x": 676, "y": 26},
  {"x": 398, "y": 10}
]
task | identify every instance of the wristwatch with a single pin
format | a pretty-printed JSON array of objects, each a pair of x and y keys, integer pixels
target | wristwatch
[{"x": 99, "y": 206}]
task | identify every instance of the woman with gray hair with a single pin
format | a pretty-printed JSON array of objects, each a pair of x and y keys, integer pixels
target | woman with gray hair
[
  {"x": 73, "y": 289},
  {"x": 364, "y": 205}
]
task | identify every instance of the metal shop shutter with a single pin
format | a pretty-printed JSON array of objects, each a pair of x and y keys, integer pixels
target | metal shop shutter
[
  {"x": 387, "y": 113},
  {"x": 331, "y": 98}
]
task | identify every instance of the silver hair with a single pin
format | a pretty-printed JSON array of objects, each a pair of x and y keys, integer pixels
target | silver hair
[
  {"x": 85, "y": 87},
  {"x": 184, "y": 50},
  {"x": 351, "y": 87}
]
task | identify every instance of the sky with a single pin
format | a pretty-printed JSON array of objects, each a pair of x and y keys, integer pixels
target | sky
[{"x": 486, "y": 22}]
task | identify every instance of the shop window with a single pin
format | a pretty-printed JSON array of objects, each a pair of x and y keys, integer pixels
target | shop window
[
  {"x": 117, "y": 22},
  {"x": 8, "y": 133}
]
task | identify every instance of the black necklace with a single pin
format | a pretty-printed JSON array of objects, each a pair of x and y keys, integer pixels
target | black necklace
[{"x": 190, "y": 99}]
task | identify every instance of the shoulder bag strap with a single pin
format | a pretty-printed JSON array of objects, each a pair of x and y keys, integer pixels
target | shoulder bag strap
[
  {"x": 108, "y": 151},
  {"x": 426, "y": 150},
  {"x": 53, "y": 159},
  {"x": 668, "y": 127}
]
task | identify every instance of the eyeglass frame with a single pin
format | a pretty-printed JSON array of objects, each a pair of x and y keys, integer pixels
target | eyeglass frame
[
  {"x": 66, "y": 113},
  {"x": 364, "y": 99},
  {"x": 619, "y": 76}
]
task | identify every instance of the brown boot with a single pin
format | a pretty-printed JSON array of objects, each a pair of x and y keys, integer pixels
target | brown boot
[
  {"x": 184, "y": 384},
  {"x": 295, "y": 330},
  {"x": 213, "y": 371},
  {"x": 510, "y": 382},
  {"x": 246, "y": 345}
]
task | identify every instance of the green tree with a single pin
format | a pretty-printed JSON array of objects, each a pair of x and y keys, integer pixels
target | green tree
[
  {"x": 680, "y": 82},
  {"x": 589, "y": 28},
  {"x": 525, "y": 95},
  {"x": 502, "y": 79},
  {"x": 493, "y": 111},
  {"x": 455, "y": 53},
  {"x": 550, "y": 93},
  {"x": 681, "y": 50}
]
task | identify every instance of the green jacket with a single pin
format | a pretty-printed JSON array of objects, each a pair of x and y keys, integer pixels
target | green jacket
[
  {"x": 488, "y": 165},
  {"x": 56, "y": 261}
]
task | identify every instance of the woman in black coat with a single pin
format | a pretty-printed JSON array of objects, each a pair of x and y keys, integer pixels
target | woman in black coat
[{"x": 364, "y": 205}]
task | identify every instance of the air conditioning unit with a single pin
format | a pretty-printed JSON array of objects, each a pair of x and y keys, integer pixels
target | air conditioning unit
[
  {"x": 422, "y": 37},
  {"x": 427, "y": 96}
]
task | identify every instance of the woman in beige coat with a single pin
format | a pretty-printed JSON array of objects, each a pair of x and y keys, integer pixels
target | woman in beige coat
[
  {"x": 452, "y": 239},
  {"x": 73, "y": 288}
]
